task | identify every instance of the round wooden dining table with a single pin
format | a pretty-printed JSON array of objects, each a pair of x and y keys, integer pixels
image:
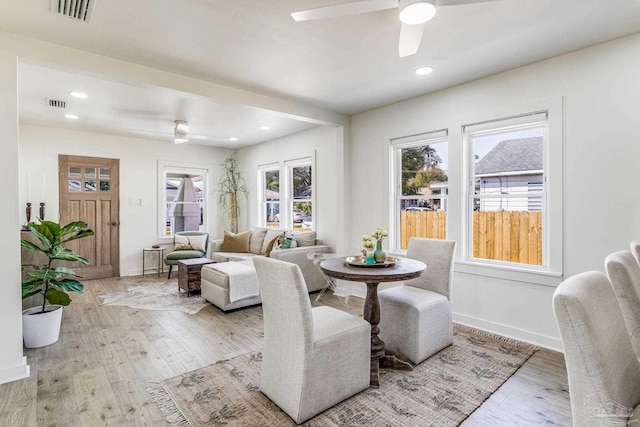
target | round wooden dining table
[{"x": 372, "y": 276}]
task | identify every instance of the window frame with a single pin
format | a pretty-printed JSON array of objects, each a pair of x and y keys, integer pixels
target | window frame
[
  {"x": 165, "y": 167},
  {"x": 262, "y": 186},
  {"x": 551, "y": 274},
  {"x": 396, "y": 146}
]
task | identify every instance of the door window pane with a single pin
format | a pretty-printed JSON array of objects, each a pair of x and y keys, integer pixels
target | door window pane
[
  {"x": 105, "y": 186},
  {"x": 105, "y": 173},
  {"x": 75, "y": 172},
  {"x": 74, "y": 185},
  {"x": 90, "y": 186},
  {"x": 89, "y": 172}
]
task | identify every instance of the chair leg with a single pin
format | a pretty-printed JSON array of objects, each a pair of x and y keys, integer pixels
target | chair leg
[{"x": 170, "y": 267}]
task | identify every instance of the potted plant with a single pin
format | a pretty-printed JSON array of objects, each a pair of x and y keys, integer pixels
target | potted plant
[
  {"x": 231, "y": 184},
  {"x": 41, "y": 325}
]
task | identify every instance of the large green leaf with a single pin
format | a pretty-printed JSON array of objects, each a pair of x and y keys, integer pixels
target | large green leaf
[
  {"x": 43, "y": 234},
  {"x": 31, "y": 287},
  {"x": 80, "y": 235},
  {"x": 73, "y": 227},
  {"x": 55, "y": 296},
  {"x": 53, "y": 227},
  {"x": 45, "y": 273},
  {"x": 32, "y": 246},
  {"x": 63, "y": 254},
  {"x": 70, "y": 285},
  {"x": 65, "y": 270}
]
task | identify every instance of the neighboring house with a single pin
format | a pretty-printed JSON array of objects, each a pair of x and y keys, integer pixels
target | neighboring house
[{"x": 513, "y": 166}]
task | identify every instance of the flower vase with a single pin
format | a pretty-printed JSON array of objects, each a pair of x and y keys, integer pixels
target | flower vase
[
  {"x": 379, "y": 255},
  {"x": 369, "y": 259}
]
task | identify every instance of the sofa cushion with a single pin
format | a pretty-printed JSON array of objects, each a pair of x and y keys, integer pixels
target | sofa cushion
[
  {"x": 176, "y": 255},
  {"x": 236, "y": 242},
  {"x": 305, "y": 238},
  {"x": 256, "y": 240},
  {"x": 269, "y": 238},
  {"x": 231, "y": 256},
  {"x": 196, "y": 242}
]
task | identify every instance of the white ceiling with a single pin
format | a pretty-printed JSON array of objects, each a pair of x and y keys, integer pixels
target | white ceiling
[{"x": 347, "y": 64}]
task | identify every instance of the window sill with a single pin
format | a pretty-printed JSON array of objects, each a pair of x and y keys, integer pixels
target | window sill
[{"x": 537, "y": 277}]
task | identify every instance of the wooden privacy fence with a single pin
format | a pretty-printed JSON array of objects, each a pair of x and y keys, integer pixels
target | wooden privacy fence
[{"x": 511, "y": 236}]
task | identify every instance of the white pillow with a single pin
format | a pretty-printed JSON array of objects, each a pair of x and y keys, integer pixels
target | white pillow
[
  {"x": 305, "y": 238},
  {"x": 196, "y": 242},
  {"x": 256, "y": 240}
]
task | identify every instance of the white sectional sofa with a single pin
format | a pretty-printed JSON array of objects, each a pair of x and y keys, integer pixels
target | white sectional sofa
[{"x": 214, "y": 284}]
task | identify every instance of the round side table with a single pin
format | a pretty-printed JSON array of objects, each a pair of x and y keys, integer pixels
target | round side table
[{"x": 159, "y": 266}]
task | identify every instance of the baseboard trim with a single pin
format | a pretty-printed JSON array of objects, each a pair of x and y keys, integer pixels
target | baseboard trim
[
  {"x": 534, "y": 338},
  {"x": 15, "y": 373}
]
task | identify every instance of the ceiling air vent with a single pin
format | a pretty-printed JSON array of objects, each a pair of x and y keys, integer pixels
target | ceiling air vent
[
  {"x": 55, "y": 103},
  {"x": 76, "y": 9}
]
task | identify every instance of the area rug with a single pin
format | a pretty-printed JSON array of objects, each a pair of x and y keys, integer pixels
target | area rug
[
  {"x": 156, "y": 296},
  {"x": 442, "y": 391}
]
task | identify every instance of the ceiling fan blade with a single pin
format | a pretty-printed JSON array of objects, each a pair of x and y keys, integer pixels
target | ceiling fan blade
[
  {"x": 410, "y": 39},
  {"x": 353, "y": 8},
  {"x": 459, "y": 2}
]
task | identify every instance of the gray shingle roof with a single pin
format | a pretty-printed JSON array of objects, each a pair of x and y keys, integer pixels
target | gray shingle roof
[{"x": 523, "y": 154}]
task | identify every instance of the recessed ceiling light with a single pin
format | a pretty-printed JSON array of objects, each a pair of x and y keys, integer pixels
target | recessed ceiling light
[
  {"x": 79, "y": 95},
  {"x": 265, "y": 127},
  {"x": 423, "y": 71},
  {"x": 233, "y": 139},
  {"x": 71, "y": 116}
]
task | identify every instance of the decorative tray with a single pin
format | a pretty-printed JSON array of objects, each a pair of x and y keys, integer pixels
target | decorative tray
[{"x": 361, "y": 261}]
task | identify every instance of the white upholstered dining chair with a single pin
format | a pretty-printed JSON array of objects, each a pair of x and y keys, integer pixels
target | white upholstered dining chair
[
  {"x": 313, "y": 357},
  {"x": 415, "y": 318},
  {"x": 604, "y": 373},
  {"x": 635, "y": 249},
  {"x": 624, "y": 274}
]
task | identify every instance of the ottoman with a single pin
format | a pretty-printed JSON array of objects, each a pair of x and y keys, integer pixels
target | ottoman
[{"x": 214, "y": 286}]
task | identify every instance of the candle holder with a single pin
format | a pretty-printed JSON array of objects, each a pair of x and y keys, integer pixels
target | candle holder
[
  {"x": 42, "y": 210},
  {"x": 28, "y": 213}
]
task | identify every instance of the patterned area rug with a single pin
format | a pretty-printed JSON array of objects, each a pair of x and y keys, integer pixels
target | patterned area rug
[
  {"x": 442, "y": 391},
  {"x": 156, "y": 296}
]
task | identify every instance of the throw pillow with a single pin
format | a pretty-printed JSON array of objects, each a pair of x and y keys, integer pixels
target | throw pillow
[
  {"x": 270, "y": 246},
  {"x": 235, "y": 242},
  {"x": 271, "y": 235},
  {"x": 289, "y": 243},
  {"x": 195, "y": 242},
  {"x": 182, "y": 247},
  {"x": 257, "y": 239},
  {"x": 305, "y": 238}
]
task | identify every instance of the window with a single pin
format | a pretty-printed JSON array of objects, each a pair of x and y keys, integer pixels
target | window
[
  {"x": 420, "y": 187},
  {"x": 184, "y": 200},
  {"x": 269, "y": 185},
  {"x": 507, "y": 190}
]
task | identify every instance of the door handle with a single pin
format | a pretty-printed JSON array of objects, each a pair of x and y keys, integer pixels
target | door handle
[{"x": 115, "y": 223}]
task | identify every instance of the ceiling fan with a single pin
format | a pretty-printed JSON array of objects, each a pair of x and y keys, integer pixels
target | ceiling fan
[{"x": 413, "y": 14}]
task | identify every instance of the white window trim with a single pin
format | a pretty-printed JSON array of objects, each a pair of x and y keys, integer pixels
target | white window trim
[
  {"x": 262, "y": 221},
  {"x": 396, "y": 146},
  {"x": 173, "y": 166},
  {"x": 286, "y": 188},
  {"x": 551, "y": 273}
]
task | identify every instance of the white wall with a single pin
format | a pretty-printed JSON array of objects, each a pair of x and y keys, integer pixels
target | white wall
[
  {"x": 13, "y": 364},
  {"x": 325, "y": 141},
  {"x": 39, "y": 150},
  {"x": 601, "y": 151}
]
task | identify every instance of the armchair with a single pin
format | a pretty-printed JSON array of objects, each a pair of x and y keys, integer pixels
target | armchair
[{"x": 199, "y": 242}]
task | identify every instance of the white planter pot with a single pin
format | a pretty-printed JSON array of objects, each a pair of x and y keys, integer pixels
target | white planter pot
[{"x": 41, "y": 329}]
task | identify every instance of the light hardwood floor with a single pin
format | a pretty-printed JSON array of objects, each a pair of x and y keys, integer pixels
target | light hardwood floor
[{"x": 96, "y": 374}]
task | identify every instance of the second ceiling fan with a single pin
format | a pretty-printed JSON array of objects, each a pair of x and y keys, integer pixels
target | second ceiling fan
[{"x": 414, "y": 15}]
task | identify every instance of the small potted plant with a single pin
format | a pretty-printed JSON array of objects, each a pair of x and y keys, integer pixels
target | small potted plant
[{"x": 41, "y": 325}]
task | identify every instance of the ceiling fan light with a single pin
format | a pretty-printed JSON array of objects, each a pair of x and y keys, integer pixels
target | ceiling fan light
[
  {"x": 177, "y": 140},
  {"x": 414, "y": 12}
]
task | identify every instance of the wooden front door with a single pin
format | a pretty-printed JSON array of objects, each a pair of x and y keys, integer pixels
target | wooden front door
[{"x": 89, "y": 192}]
